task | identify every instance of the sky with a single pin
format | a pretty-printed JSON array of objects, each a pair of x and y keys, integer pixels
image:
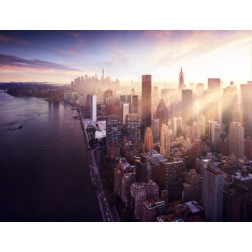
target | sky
[{"x": 61, "y": 56}]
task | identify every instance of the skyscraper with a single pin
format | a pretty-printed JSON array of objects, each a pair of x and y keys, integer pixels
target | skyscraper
[
  {"x": 134, "y": 104},
  {"x": 214, "y": 132},
  {"x": 177, "y": 125},
  {"x": 246, "y": 106},
  {"x": 187, "y": 106},
  {"x": 146, "y": 101},
  {"x": 133, "y": 127},
  {"x": 124, "y": 111},
  {"x": 148, "y": 139},
  {"x": 236, "y": 139},
  {"x": 181, "y": 79},
  {"x": 212, "y": 191},
  {"x": 170, "y": 178},
  {"x": 165, "y": 141},
  {"x": 93, "y": 108}
]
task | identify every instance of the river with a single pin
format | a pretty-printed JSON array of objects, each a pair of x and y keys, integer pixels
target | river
[{"x": 44, "y": 173}]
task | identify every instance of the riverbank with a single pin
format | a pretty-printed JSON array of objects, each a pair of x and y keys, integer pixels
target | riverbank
[{"x": 108, "y": 211}]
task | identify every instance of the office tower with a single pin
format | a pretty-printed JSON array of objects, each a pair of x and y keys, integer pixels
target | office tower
[
  {"x": 93, "y": 108},
  {"x": 155, "y": 129},
  {"x": 165, "y": 141},
  {"x": 237, "y": 198},
  {"x": 152, "y": 190},
  {"x": 106, "y": 94},
  {"x": 187, "y": 106},
  {"x": 201, "y": 127},
  {"x": 124, "y": 111},
  {"x": 177, "y": 125},
  {"x": 138, "y": 196},
  {"x": 214, "y": 132},
  {"x": 170, "y": 178},
  {"x": 162, "y": 113},
  {"x": 133, "y": 127},
  {"x": 148, "y": 139},
  {"x": 113, "y": 135},
  {"x": 151, "y": 209},
  {"x": 214, "y": 84},
  {"x": 181, "y": 79},
  {"x": 127, "y": 180},
  {"x": 191, "y": 186},
  {"x": 89, "y": 102},
  {"x": 236, "y": 139},
  {"x": 212, "y": 191},
  {"x": 146, "y": 101},
  {"x": 229, "y": 104},
  {"x": 134, "y": 104}
]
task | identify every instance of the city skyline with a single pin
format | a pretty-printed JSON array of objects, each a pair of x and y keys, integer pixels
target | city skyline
[{"x": 60, "y": 56}]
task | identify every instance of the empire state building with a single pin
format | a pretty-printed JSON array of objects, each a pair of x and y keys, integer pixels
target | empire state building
[{"x": 181, "y": 79}]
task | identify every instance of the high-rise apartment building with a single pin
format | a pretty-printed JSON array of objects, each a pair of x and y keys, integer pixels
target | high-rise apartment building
[
  {"x": 236, "y": 139},
  {"x": 212, "y": 191}
]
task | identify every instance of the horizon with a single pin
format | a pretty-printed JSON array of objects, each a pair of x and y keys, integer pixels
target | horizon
[{"x": 61, "y": 56}]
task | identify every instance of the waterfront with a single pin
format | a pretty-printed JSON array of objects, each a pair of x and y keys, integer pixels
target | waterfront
[{"x": 44, "y": 173}]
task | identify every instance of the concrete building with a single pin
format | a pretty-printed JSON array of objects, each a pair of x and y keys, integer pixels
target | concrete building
[
  {"x": 155, "y": 129},
  {"x": 165, "y": 141},
  {"x": 148, "y": 139},
  {"x": 214, "y": 132},
  {"x": 170, "y": 178},
  {"x": 146, "y": 101},
  {"x": 177, "y": 125},
  {"x": 187, "y": 106},
  {"x": 124, "y": 111},
  {"x": 151, "y": 209},
  {"x": 133, "y": 127},
  {"x": 127, "y": 180},
  {"x": 191, "y": 186},
  {"x": 93, "y": 108},
  {"x": 236, "y": 139},
  {"x": 212, "y": 191}
]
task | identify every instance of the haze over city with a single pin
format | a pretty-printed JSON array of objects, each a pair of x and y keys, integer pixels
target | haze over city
[{"x": 60, "y": 56}]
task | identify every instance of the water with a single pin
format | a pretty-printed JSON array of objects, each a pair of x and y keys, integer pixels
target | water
[{"x": 44, "y": 173}]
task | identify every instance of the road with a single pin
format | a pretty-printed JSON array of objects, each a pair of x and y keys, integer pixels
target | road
[{"x": 108, "y": 210}]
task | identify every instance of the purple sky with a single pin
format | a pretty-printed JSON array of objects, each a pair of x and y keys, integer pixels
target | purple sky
[{"x": 60, "y": 56}]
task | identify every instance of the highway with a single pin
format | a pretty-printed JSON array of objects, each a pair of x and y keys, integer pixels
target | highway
[{"x": 108, "y": 210}]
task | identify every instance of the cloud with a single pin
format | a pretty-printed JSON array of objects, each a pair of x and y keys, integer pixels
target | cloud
[
  {"x": 5, "y": 39},
  {"x": 18, "y": 62}
]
